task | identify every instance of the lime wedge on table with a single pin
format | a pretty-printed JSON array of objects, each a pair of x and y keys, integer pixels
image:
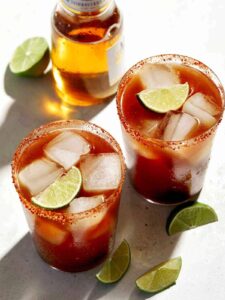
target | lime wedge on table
[
  {"x": 160, "y": 277},
  {"x": 61, "y": 192},
  {"x": 190, "y": 217},
  {"x": 164, "y": 99},
  {"x": 30, "y": 58},
  {"x": 116, "y": 266}
]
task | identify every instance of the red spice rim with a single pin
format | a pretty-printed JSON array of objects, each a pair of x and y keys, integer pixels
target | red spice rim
[
  {"x": 50, "y": 127},
  {"x": 160, "y": 59}
]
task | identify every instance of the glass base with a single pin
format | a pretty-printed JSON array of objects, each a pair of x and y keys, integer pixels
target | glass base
[
  {"x": 168, "y": 201},
  {"x": 80, "y": 269},
  {"x": 77, "y": 268}
]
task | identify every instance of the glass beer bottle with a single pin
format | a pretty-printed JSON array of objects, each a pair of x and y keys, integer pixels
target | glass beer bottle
[{"x": 87, "y": 50}]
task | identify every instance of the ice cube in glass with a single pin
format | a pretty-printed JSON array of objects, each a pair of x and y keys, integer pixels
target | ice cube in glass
[
  {"x": 39, "y": 175},
  {"x": 67, "y": 148},
  {"x": 101, "y": 172}
]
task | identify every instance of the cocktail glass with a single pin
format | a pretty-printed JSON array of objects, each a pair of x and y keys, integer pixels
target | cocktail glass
[
  {"x": 167, "y": 172},
  {"x": 70, "y": 241}
]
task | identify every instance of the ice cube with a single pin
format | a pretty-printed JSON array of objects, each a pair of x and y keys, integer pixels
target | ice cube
[
  {"x": 202, "y": 101},
  {"x": 84, "y": 203},
  {"x": 178, "y": 126},
  {"x": 81, "y": 228},
  {"x": 67, "y": 148},
  {"x": 171, "y": 122},
  {"x": 158, "y": 76},
  {"x": 39, "y": 175},
  {"x": 200, "y": 107},
  {"x": 148, "y": 127},
  {"x": 50, "y": 232},
  {"x": 101, "y": 172}
]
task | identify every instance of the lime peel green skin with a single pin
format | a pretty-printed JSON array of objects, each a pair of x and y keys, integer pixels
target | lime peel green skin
[
  {"x": 34, "y": 65},
  {"x": 168, "y": 93},
  {"x": 160, "y": 277},
  {"x": 116, "y": 266},
  {"x": 190, "y": 217},
  {"x": 53, "y": 190}
]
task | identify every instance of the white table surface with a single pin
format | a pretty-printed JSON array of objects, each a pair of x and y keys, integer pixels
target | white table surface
[{"x": 191, "y": 27}]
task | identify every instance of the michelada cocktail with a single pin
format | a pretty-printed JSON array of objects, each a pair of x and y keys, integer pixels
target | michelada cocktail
[
  {"x": 169, "y": 107},
  {"x": 69, "y": 176}
]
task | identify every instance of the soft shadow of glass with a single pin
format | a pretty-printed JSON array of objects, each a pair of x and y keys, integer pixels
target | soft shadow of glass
[
  {"x": 144, "y": 226},
  {"x": 23, "y": 275},
  {"x": 35, "y": 103}
]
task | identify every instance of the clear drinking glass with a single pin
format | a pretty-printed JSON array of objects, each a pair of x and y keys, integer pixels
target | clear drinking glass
[
  {"x": 70, "y": 241},
  {"x": 166, "y": 172}
]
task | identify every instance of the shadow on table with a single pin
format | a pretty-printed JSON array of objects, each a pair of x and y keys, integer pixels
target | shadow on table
[
  {"x": 35, "y": 103},
  {"x": 143, "y": 225},
  {"x": 23, "y": 275}
]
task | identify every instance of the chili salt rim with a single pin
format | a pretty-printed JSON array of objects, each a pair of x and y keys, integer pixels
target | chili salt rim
[
  {"x": 43, "y": 130},
  {"x": 162, "y": 59}
]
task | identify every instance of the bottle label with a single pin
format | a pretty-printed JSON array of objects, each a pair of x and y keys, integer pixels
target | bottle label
[
  {"x": 84, "y": 5},
  {"x": 115, "y": 61}
]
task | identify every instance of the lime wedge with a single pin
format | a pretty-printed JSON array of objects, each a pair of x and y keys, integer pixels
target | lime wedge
[
  {"x": 31, "y": 58},
  {"x": 160, "y": 277},
  {"x": 61, "y": 192},
  {"x": 190, "y": 217},
  {"x": 165, "y": 99},
  {"x": 116, "y": 266}
]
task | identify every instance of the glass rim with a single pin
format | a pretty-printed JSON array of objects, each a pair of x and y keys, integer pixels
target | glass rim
[
  {"x": 65, "y": 217},
  {"x": 162, "y": 59}
]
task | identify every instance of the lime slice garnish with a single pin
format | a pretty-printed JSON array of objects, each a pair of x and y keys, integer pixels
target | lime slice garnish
[
  {"x": 164, "y": 99},
  {"x": 160, "y": 277},
  {"x": 116, "y": 266},
  {"x": 190, "y": 217},
  {"x": 61, "y": 192},
  {"x": 31, "y": 58}
]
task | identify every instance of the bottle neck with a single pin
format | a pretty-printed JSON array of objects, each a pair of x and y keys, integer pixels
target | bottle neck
[{"x": 86, "y": 6}]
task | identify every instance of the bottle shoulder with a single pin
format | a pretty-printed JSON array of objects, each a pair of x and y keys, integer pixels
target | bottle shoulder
[{"x": 85, "y": 28}]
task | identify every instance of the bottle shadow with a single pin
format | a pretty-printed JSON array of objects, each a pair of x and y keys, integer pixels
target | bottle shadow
[
  {"x": 34, "y": 103},
  {"x": 141, "y": 224}
]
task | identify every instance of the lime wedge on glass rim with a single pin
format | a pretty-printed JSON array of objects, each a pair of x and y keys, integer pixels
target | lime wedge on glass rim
[
  {"x": 164, "y": 99},
  {"x": 116, "y": 266},
  {"x": 61, "y": 192},
  {"x": 31, "y": 58},
  {"x": 161, "y": 276},
  {"x": 192, "y": 216}
]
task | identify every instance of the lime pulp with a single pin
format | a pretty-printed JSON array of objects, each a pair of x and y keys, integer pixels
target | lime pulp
[
  {"x": 164, "y": 99},
  {"x": 161, "y": 276},
  {"x": 61, "y": 192},
  {"x": 30, "y": 58},
  {"x": 116, "y": 266},
  {"x": 192, "y": 216}
]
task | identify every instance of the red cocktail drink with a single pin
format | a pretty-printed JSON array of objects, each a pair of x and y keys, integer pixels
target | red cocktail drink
[
  {"x": 80, "y": 235},
  {"x": 168, "y": 153}
]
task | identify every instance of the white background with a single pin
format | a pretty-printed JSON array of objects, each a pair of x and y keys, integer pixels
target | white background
[{"x": 191, "y": 27}]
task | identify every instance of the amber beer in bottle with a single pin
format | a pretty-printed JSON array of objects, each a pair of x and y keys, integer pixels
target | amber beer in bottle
[{"x": 87, "y": 50}]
